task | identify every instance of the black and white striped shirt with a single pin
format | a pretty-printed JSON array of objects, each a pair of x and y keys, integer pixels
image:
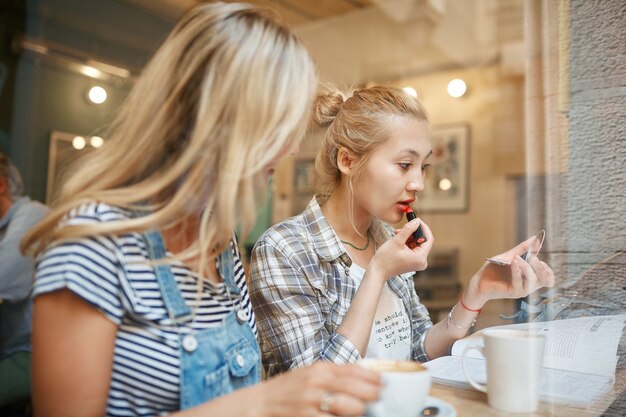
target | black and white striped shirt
[{"x": 111, "y": 273}]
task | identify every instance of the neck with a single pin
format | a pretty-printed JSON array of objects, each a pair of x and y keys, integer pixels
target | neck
[
  {"x": 180, "y": 236},
  {"x": 336, "y": 210}
]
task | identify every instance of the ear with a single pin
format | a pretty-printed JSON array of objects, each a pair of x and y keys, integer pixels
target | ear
[
  {"x": 3, "y": 186},
  {"x": 345, "y": 160}
]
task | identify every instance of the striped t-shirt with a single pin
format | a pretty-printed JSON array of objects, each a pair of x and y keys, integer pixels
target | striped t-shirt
[{"x": 111, "y": 273}]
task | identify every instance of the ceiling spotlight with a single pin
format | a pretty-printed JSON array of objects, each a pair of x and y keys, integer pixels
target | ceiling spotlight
[
  {"x": 96, "y": 141},
  {"x": 97, "y": 94},
  {"x": 79, "y": 142},
  {"x": 457, "y": 87},
  {"x": 410, "y": 91}
]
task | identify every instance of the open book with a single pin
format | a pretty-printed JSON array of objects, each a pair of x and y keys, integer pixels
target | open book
[{"x": 579, "y": 359}]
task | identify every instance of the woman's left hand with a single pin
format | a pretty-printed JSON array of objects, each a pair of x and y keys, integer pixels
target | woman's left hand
[{"x": 516, "y": 280}]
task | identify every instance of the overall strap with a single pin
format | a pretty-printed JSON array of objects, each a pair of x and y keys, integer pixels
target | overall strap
[
  {"x": 225, "y": 267},
  {"x": 174, "y": 301}
]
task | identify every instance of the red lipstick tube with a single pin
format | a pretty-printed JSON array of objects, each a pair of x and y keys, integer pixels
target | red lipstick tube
[{"x": 418, "y": 235}]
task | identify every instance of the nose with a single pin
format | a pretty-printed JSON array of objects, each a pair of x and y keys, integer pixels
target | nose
[{"x": 416, "y": 184}]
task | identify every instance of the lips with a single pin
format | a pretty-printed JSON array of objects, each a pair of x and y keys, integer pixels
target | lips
[{"x": 403, "y": 205}]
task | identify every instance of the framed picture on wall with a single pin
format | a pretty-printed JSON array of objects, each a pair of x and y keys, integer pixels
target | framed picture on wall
[
  {"x": 65, "y": 149},
  {"x": 303, "y": 183},
  {"x": 446, "y": 187},
  {"x": 304, "y": 174}
]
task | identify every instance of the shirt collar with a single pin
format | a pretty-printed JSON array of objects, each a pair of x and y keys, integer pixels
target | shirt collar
[{"x": 6, "y": 219}]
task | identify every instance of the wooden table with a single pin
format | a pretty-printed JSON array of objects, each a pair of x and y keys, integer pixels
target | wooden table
[{"x": 472, "y": 403}]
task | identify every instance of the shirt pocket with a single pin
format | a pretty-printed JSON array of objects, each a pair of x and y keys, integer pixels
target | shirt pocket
[
  {"x": 339, "y": 293},
  {"x": 241, "y": 358},
  {"x": 242, "y": 368},
  {"x": 217, "y": 383}
]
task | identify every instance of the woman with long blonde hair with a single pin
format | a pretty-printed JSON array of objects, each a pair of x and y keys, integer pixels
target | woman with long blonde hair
[
  {"x": 141, "y": 305},
  {"x": 334, "y": 283}
]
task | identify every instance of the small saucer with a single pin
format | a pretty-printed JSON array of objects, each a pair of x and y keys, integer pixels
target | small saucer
[{"x": 445, "y": 409}]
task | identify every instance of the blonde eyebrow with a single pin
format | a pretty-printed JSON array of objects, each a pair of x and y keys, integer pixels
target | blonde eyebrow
[{"x": 415, "y": 153}]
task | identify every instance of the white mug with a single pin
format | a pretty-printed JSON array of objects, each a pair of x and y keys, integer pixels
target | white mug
[
  {"x": 405, "y": 390},
  {"x": 514, "y": 359}
]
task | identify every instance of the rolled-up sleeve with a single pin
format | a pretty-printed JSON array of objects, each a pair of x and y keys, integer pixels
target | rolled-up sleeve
[{"x": 292, "y": 307}]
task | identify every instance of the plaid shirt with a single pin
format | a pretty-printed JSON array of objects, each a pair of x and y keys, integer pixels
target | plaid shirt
[{"x": 301, "y": 289}]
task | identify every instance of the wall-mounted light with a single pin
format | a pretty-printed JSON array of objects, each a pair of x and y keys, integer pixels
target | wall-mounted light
[
  {"x": 77, "y": 61},
  {"x": 97, "y": 94},
  {"x": 445, "y": 184},
  {"x": 457, "y": 88},
  {"x": 79, "y": 142},
  {"x": 410, "y": 91},
  {"x": 96, "y": 141},
  {"x": 91, "y": 71}
]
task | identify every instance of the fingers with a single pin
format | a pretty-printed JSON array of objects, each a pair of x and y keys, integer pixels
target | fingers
[
  {"x": 527, "y": 250},
  {"x": 545, "y": 274},
  {"x": 405, "y": 232},
  {"x": 529, "y": 282},
  {"x": 345, "y": 379},
  {"x": 529, "y": 276},
  {"x": 345, "y": 405},
  {"x": 523, "y": 278},
  {"x": 353, "y": 381},
  {"x": 428, "y": 234},
  {"x": 341, "y": 390},
  {"x": 516, "y": 275},
  {"x": 323, "y": 389},
  {"x": 520, "y": 249},
  {"x": 549, "y": 276}
]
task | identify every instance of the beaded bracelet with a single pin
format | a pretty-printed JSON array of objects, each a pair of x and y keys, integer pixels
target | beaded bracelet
[{"x": 451, "y": 321}]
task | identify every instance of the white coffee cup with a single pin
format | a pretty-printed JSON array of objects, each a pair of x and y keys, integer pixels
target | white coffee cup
[
  {"x": 514, "y": 359},
  {"x": 406, "y": 387}
]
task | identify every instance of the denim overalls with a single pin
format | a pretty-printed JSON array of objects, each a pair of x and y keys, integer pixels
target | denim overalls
[{"x": 215, "y": 361}]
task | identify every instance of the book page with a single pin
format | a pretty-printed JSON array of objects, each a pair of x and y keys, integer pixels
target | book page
[
  {"x": 556, "y": 386},
  {"x": 586, "y": 344}
]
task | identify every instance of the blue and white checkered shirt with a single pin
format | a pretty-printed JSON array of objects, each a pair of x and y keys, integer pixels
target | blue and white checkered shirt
[{"x": 301, "y": 290}]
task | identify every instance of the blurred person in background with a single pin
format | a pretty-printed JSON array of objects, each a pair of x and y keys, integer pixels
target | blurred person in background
[{"x": 18, "y": 214}]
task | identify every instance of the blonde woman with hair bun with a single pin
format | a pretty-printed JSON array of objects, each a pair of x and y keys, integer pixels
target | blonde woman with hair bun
[
  {"x": 335, "y": 282},
  {"x": 141, "y": 304}
]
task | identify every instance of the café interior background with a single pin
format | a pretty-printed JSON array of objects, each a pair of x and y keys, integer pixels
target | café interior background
[{"x": 543, "y": 114}]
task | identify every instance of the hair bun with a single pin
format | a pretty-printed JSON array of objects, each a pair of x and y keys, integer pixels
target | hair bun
[{"x": 326, "y": 107}]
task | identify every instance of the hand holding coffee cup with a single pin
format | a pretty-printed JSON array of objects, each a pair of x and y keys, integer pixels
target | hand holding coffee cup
[
  {"x": 406, "y": 387},
  {"x": 514, "y": 359}
]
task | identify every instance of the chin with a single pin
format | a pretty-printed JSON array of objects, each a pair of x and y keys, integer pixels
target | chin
[{"x": 391, "y": 217}]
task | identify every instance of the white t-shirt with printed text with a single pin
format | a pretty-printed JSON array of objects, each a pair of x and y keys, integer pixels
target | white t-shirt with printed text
[{"x": 391, "y": 330}]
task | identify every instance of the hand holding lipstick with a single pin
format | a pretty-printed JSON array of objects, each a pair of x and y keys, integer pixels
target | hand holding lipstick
[{"x": 395, "y": 257}]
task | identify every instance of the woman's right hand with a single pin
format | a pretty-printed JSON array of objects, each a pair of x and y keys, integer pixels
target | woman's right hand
[
  {"x": 342, "y": 390},
  {"x": 400, "y": 254}
]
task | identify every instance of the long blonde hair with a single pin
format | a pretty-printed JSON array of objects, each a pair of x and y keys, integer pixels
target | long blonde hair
[
  {"x": 229, "y": 91},
  {"x": 360, "y": 122}
]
